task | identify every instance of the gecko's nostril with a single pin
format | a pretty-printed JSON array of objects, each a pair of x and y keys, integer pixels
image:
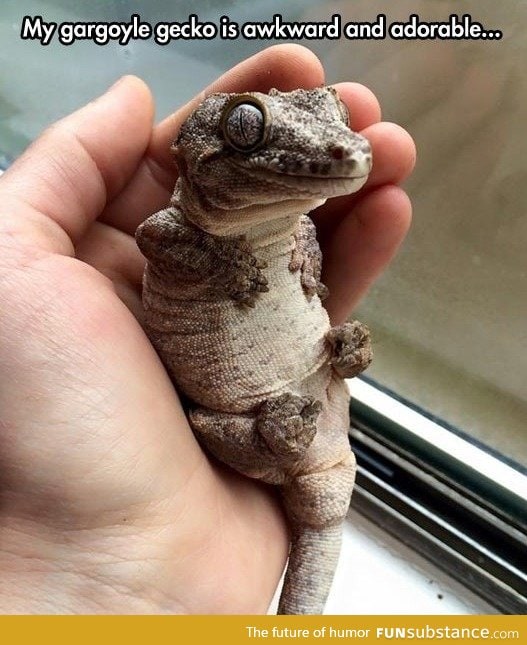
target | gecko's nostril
[{"x": 337, "y": 152}]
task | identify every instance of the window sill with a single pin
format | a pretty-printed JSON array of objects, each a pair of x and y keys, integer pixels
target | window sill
[{"x": 377, "y": 574}]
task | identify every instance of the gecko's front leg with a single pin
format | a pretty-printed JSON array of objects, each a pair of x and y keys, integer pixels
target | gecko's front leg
[
  {"x": 351, "y": 348},
  {"x": 306, "y": 257},
  {"x": 180, "y": 250}
]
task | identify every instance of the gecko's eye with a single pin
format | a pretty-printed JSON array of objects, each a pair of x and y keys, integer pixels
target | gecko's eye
[{"x": 245, "y": 123}]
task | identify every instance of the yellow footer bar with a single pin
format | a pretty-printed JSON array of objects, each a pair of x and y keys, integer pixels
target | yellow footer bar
[{"x": 258, "y": 630}]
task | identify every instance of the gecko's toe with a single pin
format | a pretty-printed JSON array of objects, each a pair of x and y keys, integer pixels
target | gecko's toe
[
  {"x": 351, "y": 348},
  {"x": 288, "y": 423}
]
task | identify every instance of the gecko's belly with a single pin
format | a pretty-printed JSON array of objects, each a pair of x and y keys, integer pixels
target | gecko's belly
[{"x": 229, "y": 358}]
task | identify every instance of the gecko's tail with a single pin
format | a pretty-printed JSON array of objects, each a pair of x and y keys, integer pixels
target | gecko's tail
[
  {"x": 316, "y": 504},
  {"x": 312, "y": 562}
]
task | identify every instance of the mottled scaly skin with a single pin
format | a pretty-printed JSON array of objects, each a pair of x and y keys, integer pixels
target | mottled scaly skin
[{"x": 232, "y": 298}]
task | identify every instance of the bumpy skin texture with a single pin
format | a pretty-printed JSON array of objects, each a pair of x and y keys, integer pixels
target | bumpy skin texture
[{"x": 232, "y": 298}]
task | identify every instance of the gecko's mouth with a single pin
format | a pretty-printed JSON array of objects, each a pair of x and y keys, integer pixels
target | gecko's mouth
[
  {"x": 327, "y": 176},
  {"x": 317, "y": 184},
  {"x": 306, "y": 185}
]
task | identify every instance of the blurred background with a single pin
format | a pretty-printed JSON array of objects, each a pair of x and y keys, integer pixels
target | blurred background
[{"x": 449, "y": 318}]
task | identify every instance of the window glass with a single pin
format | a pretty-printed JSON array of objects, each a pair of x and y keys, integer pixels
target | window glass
[{"x": 450, "y": 316}]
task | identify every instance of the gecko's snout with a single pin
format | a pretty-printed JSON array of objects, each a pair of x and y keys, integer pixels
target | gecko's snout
[{"x": 352, "y": 161}]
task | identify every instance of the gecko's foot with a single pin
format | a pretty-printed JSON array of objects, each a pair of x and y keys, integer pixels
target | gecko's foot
[
  {"x": 245, "y": 280},
  {"x": 307, "y": 258},
  {"x": 287, "y": 423},
  {"x": 351, "y": 345}
]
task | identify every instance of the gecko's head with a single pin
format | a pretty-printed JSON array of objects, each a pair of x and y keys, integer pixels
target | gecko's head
[{"x": 236, "y": 151}]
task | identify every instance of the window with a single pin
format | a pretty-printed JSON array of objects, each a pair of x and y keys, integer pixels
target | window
[{"x": 440, "y": 422}]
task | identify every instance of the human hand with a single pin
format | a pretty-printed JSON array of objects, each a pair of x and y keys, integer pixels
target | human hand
[{"x": 109, "y": 504}]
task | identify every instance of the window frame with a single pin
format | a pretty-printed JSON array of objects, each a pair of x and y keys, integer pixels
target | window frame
[{"x": 439, "y": 492}]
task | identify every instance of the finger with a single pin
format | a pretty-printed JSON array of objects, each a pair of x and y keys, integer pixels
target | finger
[
  {"x": 115, "y": 255},
  {"x": 285, "y": 67},
  {"x": 364, "y": 243},
  {"x": 394, "y": 156},
  {"x": 362, "y": 104},
  {"x": 79, "y": 163}
]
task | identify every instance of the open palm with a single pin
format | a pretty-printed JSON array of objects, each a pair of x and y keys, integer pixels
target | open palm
[{"x": 108, "y": 502}]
